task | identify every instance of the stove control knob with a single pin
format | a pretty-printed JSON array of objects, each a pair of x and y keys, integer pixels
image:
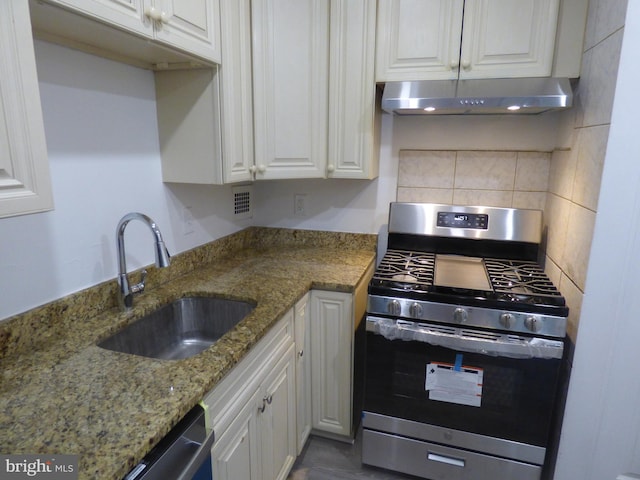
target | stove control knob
[
  {"x": 533, "y": 324},
  {"x": 415, "y": 310},
  {"x": 507, "y": 320},
  {"x": 394, "y": 307},
  {"x": 460, "y": 315}
]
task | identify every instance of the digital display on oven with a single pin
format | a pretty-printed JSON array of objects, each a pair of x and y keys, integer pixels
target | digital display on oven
[{"x": 478, "y": 221}]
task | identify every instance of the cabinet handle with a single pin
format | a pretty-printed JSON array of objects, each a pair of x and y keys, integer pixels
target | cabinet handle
[
  {"x": 454, "y": 64},
  {"x": 253, "y": 169},
  {"x": 262, "y": 169},
  {"x": 301, "y": 353},
  {"x": 331, "y": 168},
  {"x": 165, "y": 17},
  {"x": 265, "y": 401},
  {"x": 153, "y": 13},
  {"x": 466, "y": 64},
  {"x": 157, "y": 15}
]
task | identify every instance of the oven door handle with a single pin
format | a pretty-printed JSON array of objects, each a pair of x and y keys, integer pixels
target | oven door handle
[{"x": 466, "y": 340}]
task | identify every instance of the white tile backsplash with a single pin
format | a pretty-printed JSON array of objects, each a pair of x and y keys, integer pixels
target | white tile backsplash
[
  {"x": 592, "y": 145},
  {"x": 490, "y": 198},
  {"x": 474, "y": 177},
  {"x": 425, "y": 195},
  {"x": 597, "y": 85},
  {"x": 574, "y": 263},
  {"x": 427, "y": 169},
  {"x": 485, "y": 170},
  {"x": 562, "y": 173},
  {"x": 532, "y": 172}
]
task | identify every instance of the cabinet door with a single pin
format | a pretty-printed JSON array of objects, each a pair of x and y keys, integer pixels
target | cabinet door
[
  {"x": 25, "y": 184},
  {"x": 235, "y": 454},
  {"x": 303, "y": 372},
  {"x": 332, "y": 361},
  {"x": 235, "y": 84},
  {"x": 126, "y": 14},
  {"x": 290, "y": 65},
  {"x": 277, "y": 419},
  {"x": 190, "y": 25},
  {"x": 353, "y": 132},
  {"x": 418, "y": 39},
  {"x": 508, "y": 38}
]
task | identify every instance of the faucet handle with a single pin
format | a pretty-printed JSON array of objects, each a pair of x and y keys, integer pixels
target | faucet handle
[{"x": 139, "y": 287}]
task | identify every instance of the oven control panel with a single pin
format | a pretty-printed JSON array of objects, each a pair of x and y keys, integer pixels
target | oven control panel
[{"x": 478, "y": 221}]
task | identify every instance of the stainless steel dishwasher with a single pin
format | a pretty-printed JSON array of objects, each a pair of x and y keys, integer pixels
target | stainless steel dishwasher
[{"x": 183, "y": 454}]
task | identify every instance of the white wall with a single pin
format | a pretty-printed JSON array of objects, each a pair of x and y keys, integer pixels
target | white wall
[
  {"x": 102, "y": 137},
  {"x": 601, "y": 429}
]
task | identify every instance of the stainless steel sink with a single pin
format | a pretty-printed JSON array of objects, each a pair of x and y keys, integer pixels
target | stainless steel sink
[{"x": 180, "y": 329}]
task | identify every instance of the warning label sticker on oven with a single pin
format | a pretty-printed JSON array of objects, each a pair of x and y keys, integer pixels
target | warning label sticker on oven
[{"x": 447, "y": 382}]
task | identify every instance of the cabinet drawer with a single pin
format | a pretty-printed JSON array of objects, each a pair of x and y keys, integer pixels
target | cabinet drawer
[{"x": 430, "y": 460}]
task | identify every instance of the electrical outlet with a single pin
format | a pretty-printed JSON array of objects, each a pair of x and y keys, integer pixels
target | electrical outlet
[
  {"x": 187, "y": 221},
  {"x": 299, "y": 205}
]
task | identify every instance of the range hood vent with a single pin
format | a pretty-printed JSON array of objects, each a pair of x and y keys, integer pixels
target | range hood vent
[{"x": 477, "y": 97}]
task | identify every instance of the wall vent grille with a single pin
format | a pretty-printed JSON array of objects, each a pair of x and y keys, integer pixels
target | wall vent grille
[{"x": 242, "y": 207}]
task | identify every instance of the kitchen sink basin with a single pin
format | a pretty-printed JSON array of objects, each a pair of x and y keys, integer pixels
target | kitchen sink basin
[{"x": 180, "y": 329}]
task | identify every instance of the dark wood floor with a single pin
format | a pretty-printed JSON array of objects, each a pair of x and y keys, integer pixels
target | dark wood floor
[{"x": 324, "y": 459}]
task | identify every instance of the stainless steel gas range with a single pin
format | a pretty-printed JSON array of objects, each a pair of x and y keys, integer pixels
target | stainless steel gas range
[{"x": 464, "y": 347}]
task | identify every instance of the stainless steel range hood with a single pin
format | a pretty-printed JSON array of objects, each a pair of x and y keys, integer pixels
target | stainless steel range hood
[{"x": 477, "y": 97}]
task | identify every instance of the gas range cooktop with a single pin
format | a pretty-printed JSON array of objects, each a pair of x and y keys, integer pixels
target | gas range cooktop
[
  {"x": 519, "y": 285},
  {"x": 475, "y": 266}
]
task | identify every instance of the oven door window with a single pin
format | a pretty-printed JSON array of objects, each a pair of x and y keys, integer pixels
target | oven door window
[{"x": 517, "y": 395}]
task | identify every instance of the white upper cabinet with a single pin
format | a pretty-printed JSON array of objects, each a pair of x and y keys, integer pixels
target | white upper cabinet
[
  {"x": 508, "y": 38},
  {"x": 450, "y": 39},
  {"x": 236, "y": 100},
  {"x": 290, "y": 87},
  {"x": 184, "y": 33},
  {"x": 191, "y": 25},
  {"x": 294, "y": 97},
  {"x": 353, "y": 120},
  {"x": 25, "y": 184},
  {"x": 418, "y": 39},
  {"x": 125, "y": 14}
]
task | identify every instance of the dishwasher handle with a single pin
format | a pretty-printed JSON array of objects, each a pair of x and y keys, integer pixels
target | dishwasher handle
[
  {"x": 181, "y": 453},
  {"x": 198, "y": 458}
]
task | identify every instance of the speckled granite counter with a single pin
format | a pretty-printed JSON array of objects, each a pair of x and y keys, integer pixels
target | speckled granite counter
[{"x": 60, "y": 393}]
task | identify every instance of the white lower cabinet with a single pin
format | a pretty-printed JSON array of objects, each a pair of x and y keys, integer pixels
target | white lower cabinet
[
  {"x": 252, "y": 411},
  {"x": 296, "y": 380},
  {"x": 235, "y": 452},
  {"x": 332, "y": 361},
  {"x": 277, "y": 419},
  {"x": 303, "y": 371}
]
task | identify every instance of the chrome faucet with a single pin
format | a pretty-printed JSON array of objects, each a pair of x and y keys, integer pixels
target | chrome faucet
[{"x": 127, "y": 291}]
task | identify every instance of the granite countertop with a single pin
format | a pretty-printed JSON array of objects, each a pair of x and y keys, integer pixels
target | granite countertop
[{"x": 61, "y": 394}]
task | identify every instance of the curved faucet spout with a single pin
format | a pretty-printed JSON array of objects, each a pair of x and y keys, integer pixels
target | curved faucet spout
[{"x": 163, "y": 259}]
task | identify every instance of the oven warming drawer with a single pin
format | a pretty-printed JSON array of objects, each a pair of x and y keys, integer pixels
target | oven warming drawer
[{"x": 430, "y": 460}]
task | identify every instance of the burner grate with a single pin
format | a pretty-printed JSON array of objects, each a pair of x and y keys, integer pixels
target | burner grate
[
  {"x": 512, "y": 281},
  {"x": 517, "y": 277},
  {"x": 406, "y": 267}
]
